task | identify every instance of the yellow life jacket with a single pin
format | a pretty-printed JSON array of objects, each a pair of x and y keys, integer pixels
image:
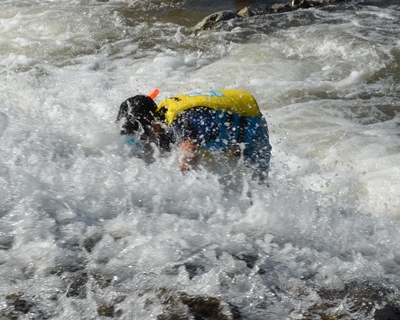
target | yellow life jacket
[{"x": 235, "y": 101}]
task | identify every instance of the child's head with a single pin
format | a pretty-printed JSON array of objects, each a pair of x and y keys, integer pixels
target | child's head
[{"x": 137, "y": 114}]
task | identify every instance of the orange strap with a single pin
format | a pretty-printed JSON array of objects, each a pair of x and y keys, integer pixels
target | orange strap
[{"x": 153, "y": 94}]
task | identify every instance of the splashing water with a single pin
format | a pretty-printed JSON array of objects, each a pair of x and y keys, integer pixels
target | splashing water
[{"x": 87, "y": 231}]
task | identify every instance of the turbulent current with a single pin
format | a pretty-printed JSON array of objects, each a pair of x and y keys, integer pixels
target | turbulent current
[{"x": 89, "y": 232}]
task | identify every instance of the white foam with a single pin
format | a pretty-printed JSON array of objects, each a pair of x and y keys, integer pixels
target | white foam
[{"x": 73, "y": 199}]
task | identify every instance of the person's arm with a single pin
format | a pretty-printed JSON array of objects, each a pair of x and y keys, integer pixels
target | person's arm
[{"x": 189, "y": 155}]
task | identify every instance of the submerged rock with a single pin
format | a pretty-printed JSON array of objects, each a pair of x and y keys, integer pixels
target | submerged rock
[
  {"x": 212, "y": 21},
  {"x": 19, "y": 302},
  {"x": 77, "y": 287},
  {"x": 366, "y": 299},
  {"x": 21, "y": 305},
  {"x": 279, "y": 8},
  {"x": 247, "y": 12},
  {"x": 106, "y": 310},
  {"x": 183, "y": 306}
]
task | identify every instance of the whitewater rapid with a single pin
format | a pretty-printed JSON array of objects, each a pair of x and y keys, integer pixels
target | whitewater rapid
[{"x": 88, "y": 232}]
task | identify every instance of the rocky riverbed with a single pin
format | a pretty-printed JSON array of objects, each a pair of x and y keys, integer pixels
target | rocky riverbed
[{"x": 213, "y": 20}]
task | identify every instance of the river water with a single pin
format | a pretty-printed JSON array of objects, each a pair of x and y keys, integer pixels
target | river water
[{"x": 87, "y": 232}]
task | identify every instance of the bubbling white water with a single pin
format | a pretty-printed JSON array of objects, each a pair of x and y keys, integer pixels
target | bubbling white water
[{"x": 84, "y": 225}]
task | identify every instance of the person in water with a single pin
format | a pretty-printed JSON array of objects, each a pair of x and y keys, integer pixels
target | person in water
[{"x": 217, "y": 121}]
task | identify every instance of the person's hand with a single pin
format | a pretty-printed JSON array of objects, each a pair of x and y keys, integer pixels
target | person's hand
[
  {"x": 189, "y": 155},
  {"x": 262, "y": 178}
]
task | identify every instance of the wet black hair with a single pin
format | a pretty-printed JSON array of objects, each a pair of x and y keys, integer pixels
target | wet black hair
[{"x": 137, "y": 111}]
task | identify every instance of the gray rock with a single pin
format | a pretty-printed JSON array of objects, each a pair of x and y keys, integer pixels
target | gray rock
[
  {"x": 279, "y": 8},
  {"x": 246, "y": 12},
  {"x": 213, "y": 20}
]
